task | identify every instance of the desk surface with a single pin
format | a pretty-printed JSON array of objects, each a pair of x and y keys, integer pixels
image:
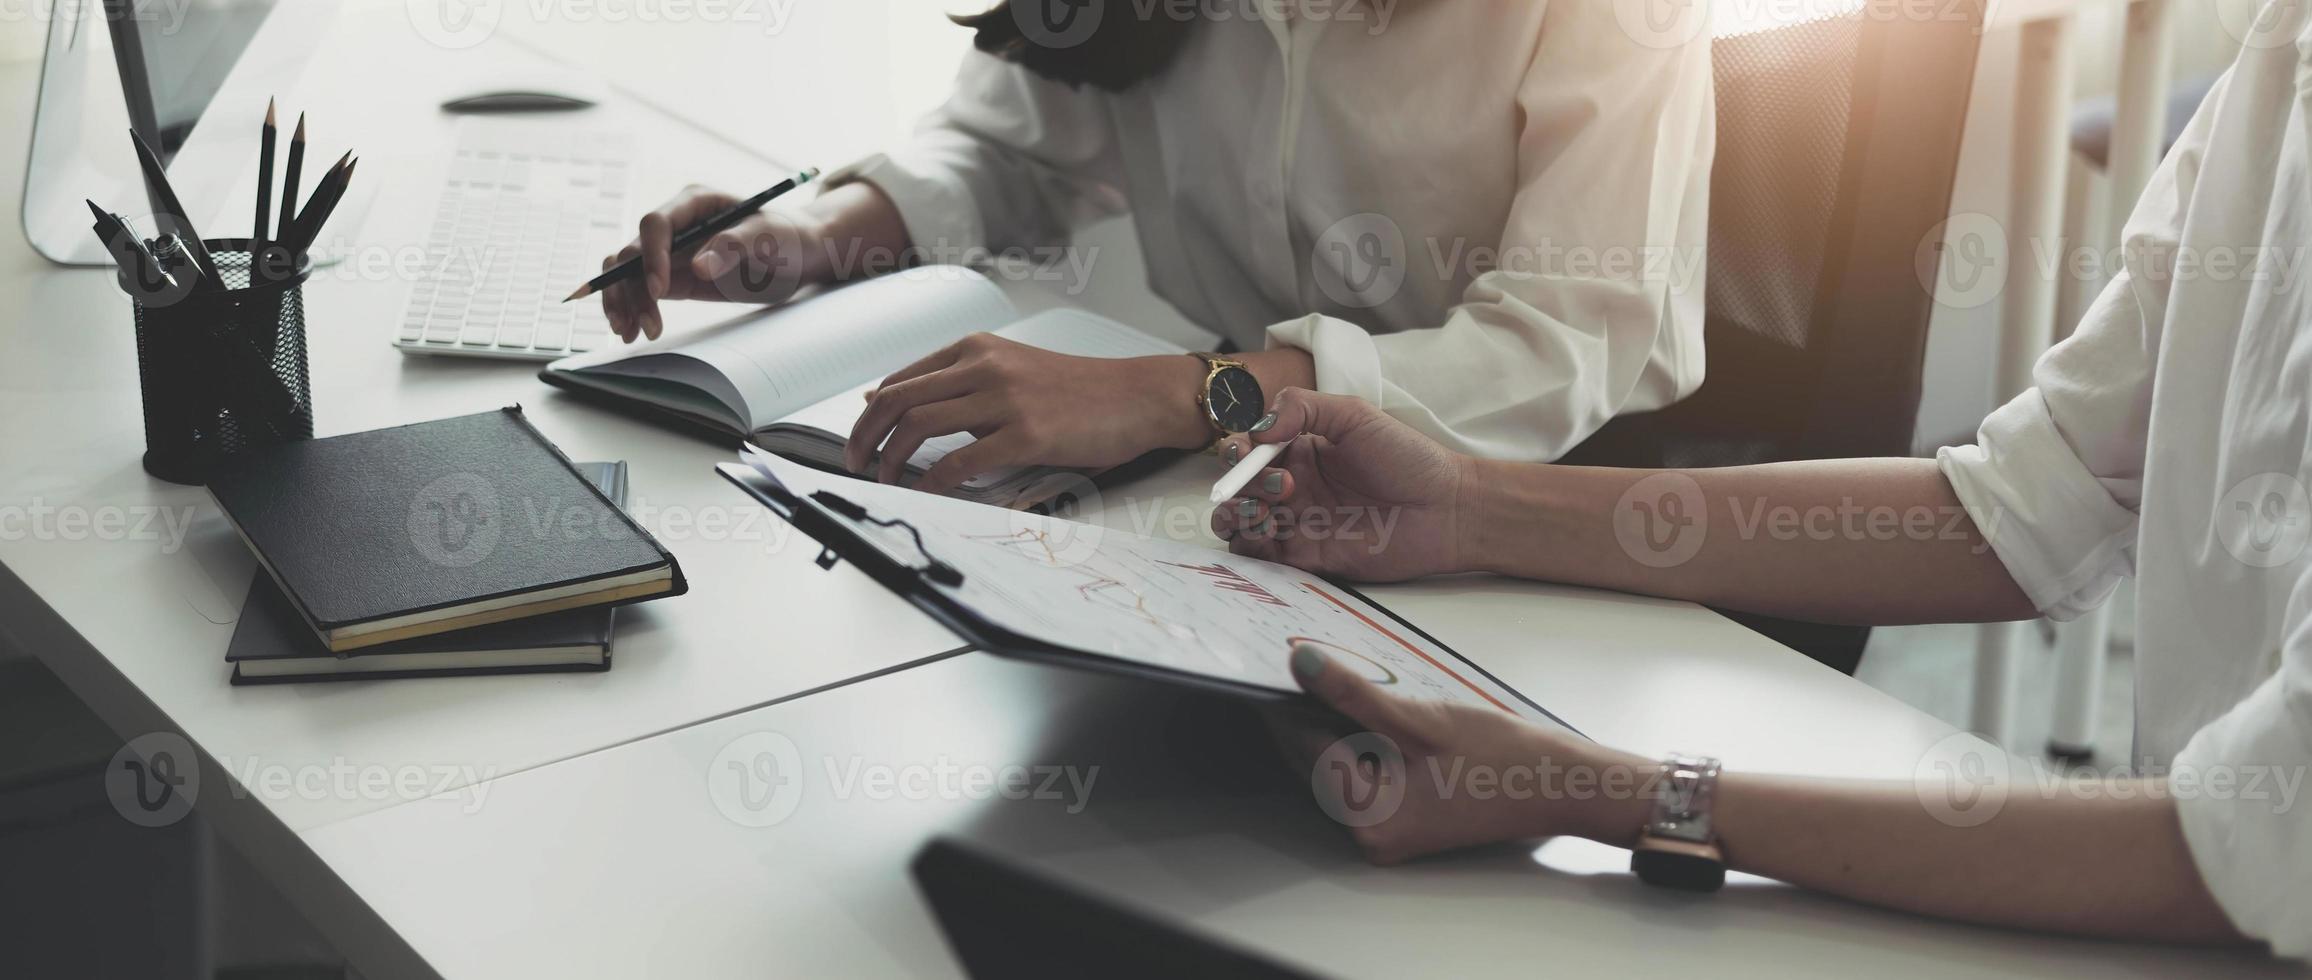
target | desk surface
[{"x": 596, "y": 847}]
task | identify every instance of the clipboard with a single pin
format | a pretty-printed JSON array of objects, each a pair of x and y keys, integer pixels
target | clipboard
[{"x": 841, "y": 529}]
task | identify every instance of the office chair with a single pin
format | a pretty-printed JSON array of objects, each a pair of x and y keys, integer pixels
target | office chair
[{"x": 1838, "y": 143}]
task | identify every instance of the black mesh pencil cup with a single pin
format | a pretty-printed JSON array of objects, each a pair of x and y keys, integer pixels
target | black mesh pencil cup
[{"x": 222, "y": 371}]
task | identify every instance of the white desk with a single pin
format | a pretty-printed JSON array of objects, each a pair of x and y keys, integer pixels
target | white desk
[{"x": 595, "y": 848}]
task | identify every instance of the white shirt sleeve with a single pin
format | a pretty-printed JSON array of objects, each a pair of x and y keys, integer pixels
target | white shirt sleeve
[
  {"x": 1010, "y": 161},
  {"x": 2055, "y": 478},
  {"x": 2236, "y": 786},
  {"x": 1606, "y": 318}
]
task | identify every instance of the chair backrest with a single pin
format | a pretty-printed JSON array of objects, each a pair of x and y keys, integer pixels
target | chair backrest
[{"x": 1838, "y": 143}]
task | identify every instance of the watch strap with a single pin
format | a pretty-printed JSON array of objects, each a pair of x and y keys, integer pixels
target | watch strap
[{"x": 1680, "y": 865}]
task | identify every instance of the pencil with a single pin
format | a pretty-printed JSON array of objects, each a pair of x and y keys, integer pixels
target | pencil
[
  {"x": 264, "y": 186},
  {"x": 693, "y": 235},
  {"x": 326, "y": 194},
  {"x": 289, "y": 179}
]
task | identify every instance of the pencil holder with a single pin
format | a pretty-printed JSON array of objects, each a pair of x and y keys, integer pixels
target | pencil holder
[{"x": 222, "y": 371}]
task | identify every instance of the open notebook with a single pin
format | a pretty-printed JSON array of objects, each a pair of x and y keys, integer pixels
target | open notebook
[{"x": 794, "y": 379}]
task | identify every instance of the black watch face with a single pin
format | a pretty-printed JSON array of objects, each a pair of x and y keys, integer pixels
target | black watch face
[{"x": 1235, "y": 400}]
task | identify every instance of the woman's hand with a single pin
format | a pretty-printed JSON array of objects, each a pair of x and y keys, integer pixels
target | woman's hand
[
  {"x": 1358, "y": 494},
  {"x": 763, "y": 259},
  {"x": 1428, "y": 776},
  {"x": 1026, "y": 406}
]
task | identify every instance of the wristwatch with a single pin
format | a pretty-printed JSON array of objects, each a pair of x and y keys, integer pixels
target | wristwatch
[
  {"x": 1231, "y": 399},
  {"x": 1679, "y": 847}
]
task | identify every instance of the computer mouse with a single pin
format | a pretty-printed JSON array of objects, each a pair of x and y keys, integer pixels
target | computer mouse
[
  {"x": 515, "y": 100},
  {"x": 535, "y": 90}
]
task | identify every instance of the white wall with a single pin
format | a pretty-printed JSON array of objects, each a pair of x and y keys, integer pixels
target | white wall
[{"x": 851, "y": 73}]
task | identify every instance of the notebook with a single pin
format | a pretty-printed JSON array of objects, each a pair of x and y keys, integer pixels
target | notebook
[
  {"x": 794, "y": 379},
  {"x": 271, "y": 644},
  {"x": 405, "y": 532}
]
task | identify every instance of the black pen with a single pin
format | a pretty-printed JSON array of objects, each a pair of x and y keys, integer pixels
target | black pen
[{"x": 693, "y": 235}]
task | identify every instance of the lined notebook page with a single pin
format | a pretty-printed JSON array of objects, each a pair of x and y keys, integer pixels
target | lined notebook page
[{"x": 798, "y": 355}]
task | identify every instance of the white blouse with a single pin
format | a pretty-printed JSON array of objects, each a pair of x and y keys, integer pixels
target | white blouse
[
  {"x": 2171, "y": 438},
  {"x": 1484, "y": 216}
]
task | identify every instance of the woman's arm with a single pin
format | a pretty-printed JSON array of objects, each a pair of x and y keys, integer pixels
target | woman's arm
[
  {"x": 1010, "y": 160},
  {"x": 1875, "y": 541},
  {"x": 2103, "y": 859},
  {"x": 1857, "y": 541}
]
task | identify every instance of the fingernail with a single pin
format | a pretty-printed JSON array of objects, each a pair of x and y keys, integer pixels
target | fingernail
[
  {"x": 1266, "y": 423},
  {"x": 709, "y": 265},
  {"x": 1248, "y": 509},
  {"x": 1307, "y": 663},
  {"x": 1234, "y": 452},
  {"x": 1268, "y": 527},
  {"x": 1273, "y": 483}
]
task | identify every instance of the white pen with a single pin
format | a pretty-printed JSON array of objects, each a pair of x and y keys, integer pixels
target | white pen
[{"x": 1242, "y": 473}]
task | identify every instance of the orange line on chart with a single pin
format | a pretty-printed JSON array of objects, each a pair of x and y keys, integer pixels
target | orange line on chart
[
  {"x": 1090, "y": 590},
  {"x": 1021, "y": 538},
  {"x": 1416, "y": 651},
  {"x": 1095, "y": 584}
]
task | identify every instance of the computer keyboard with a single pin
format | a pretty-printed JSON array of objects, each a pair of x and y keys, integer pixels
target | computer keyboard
[{"x": 525, "y": 217}]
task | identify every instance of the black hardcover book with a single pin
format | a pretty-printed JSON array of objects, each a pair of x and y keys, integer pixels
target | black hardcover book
[
  {"x": 390, "y": 535},
  {"x": 271, "y": 644}
]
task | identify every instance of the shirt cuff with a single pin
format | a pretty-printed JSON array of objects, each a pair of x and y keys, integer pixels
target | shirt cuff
[
  {"x": 2062, "y": 537},
  {"x": 1347, "y": 362},
  {"x": 941, "y": 215},
  {"x": 2235, "y": 785}
]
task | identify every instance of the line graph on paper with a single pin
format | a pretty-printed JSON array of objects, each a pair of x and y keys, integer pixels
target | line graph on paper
[
  {"x": 1178, "y": 606},
  {"x": 1156, "y": 602},
  {"x": 1090, "y": 584},
  {"x": 1199, "y": 606}
]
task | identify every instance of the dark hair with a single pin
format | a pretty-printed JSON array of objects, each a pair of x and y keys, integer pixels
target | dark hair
[{"x": 1109, "y": 44}]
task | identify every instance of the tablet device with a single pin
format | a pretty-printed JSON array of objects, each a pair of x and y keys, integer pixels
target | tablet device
[{"x": 1041, "y": 588}]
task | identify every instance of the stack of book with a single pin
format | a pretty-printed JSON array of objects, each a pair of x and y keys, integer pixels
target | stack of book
[{"x": 467, "y": 545}]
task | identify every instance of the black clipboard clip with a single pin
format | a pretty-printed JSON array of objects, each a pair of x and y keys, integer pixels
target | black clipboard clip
[{"x": 934, "y": 570}]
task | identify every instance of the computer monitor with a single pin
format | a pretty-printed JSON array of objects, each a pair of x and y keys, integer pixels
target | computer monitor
[{"x": 190, "y": 76}]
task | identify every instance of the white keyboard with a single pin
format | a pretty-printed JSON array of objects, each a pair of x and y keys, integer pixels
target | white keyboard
[{"x": 526, "y": 215}]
